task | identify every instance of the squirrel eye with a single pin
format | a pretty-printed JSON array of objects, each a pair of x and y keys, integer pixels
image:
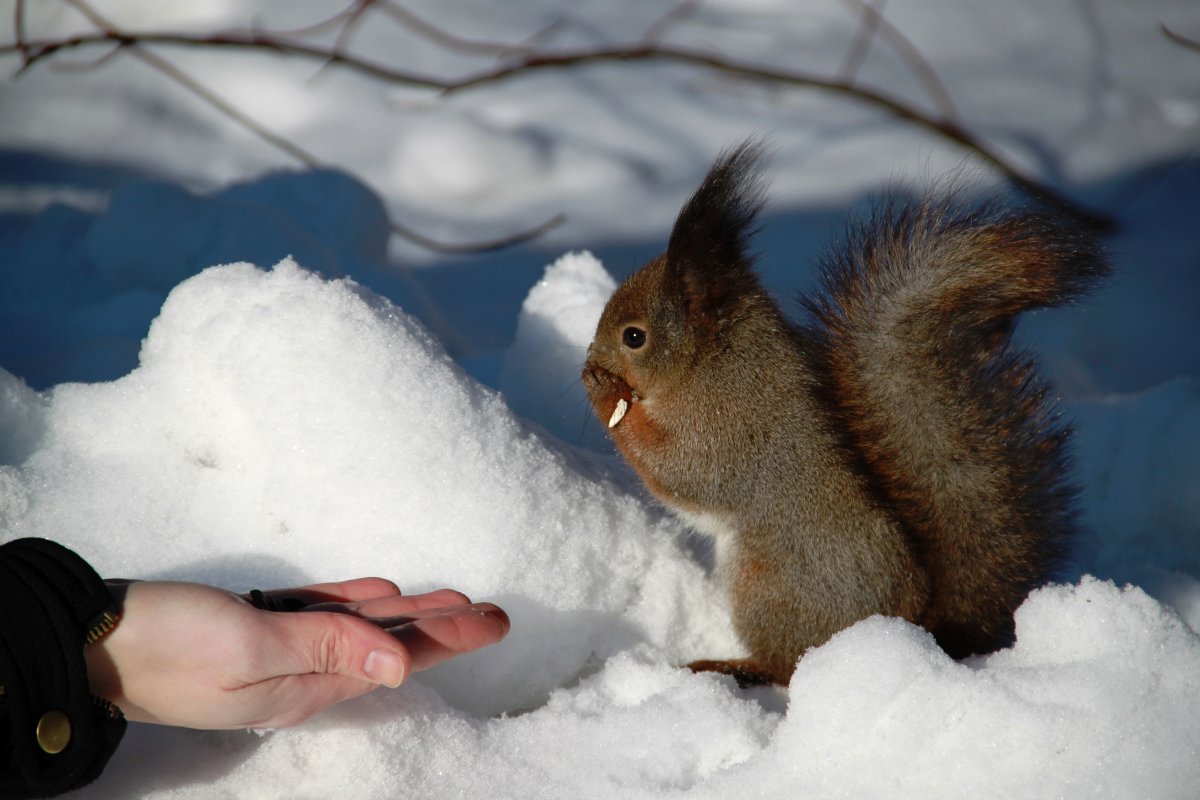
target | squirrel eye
[{"x": 633, "y": 337}]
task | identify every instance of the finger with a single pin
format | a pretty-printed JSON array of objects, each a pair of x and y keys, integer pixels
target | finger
[
  {"x": 339, "y": 644},
  {"x": 350, "y": 591},
  {"x": 438, "y": 599},
  {"x": 433, "y": 638},
  {"x": 416, "y": 614},
  {"x": 357, "y": 589},
  {"x": 384, "y": 607}
]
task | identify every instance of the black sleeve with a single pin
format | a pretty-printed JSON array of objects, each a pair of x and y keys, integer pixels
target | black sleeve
[{"x": 54, "y": 736}]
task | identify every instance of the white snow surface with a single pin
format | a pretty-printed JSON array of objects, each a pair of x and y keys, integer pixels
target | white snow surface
[
  {"x": 281, "y": 428},
  {"x": 213, "y": 369}
]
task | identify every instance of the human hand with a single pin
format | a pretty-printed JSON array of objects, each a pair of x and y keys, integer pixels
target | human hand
[{"x": 200, "y": 657}]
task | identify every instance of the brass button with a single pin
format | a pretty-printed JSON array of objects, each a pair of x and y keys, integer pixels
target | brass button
[{"x": 54, "y": 732}]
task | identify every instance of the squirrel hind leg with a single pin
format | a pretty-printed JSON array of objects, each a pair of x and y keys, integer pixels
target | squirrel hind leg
[{"x": 746, "y": 671}]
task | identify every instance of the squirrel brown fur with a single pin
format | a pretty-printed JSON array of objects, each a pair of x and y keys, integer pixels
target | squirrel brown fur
[{"x": 893, "y": 453}]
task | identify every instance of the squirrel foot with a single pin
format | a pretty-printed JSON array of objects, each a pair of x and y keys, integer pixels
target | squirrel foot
[{"x": 746, "y": 671}]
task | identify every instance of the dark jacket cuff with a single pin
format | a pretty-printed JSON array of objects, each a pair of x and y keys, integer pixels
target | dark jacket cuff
[{"x": 54, "y": 736}]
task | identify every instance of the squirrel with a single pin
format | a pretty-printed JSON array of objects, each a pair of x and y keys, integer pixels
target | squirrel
[{"x": 892, "y": 453}]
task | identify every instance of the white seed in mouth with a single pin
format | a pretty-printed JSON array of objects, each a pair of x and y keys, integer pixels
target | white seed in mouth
[{"x": 618, "y": 413}]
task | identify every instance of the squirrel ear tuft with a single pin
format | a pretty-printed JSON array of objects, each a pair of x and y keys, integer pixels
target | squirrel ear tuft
[{"x": 708, "y": 248}]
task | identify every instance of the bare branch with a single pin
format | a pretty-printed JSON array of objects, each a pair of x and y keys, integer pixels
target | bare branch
[
  {"x": 349, "y": 18},
  {"x": 354, "y": 16},
  {"x": 37, "y": 50},
  {"x": 946, "y": 126},
  {"x": 520, "y": 237},
  {"x": 199, "y": 90},
  {"x": 354, "y": 9},
  {"x": 448, "y": 40},
  {"x": 1180, "y": 39},
  {"x": 678, "y": 12},
  {"x": 857, "y": 52},
  {"x": 286, "y": 145},
  {"x": 19, "y": 25},
  {"x": 908, "y": 51},
  {"x": 92, "y": 64}
]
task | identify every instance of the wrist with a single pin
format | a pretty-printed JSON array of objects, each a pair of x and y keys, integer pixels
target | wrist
[{"x": 104, "y": 678}]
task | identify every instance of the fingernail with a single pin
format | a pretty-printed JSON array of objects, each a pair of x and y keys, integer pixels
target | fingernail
[{"x": 385, "y": 667}]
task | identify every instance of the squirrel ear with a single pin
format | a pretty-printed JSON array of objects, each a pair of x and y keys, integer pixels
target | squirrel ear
[{"x": 708, "y": 245}]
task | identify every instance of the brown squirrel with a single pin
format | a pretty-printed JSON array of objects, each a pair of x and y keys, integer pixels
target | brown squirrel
[{"x": 894, "y": 454}]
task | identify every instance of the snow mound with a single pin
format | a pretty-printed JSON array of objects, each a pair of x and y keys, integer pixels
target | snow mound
[
  {"x": 1096, "y": 699},
  {"x": 284, "y": 428},
  {"x": 540, "y": 376}
]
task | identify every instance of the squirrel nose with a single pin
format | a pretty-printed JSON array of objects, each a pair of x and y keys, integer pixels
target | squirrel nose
[{"x": 593, "y": 375}]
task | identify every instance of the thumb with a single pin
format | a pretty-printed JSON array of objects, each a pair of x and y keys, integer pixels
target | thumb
[{"x": 341, "y": 644}]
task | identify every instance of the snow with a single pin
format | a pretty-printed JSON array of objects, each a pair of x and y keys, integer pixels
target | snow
[
  {"x": 215, "y": 367},
  {"x": 540, "y": 373}
]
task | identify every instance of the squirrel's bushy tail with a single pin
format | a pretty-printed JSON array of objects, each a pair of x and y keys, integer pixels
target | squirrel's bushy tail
[{"x": 944, "y": 419}]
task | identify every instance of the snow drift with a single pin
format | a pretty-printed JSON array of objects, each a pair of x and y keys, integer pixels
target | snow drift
[{"x": 282, "y": 428}]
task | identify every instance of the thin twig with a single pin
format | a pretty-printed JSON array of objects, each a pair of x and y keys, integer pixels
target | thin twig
[
  {"x": 37, "y": 50},
  {"x": 199, "y": 90},
  {"x": 291, "y": 148},
  {"x": 1179, "y": 38},
  {"x": 87, "y": 66},
  {"x": 348, "y": 27},
  {"x": 946, "y": 128},
  {"x": 678, "y": 12},
  {"x": 856, "y": 53},
  {"x": 450, "y": 41},
  {"x": 485, "y": 246},
  {"x": 904, "y": 47},
  {"x": 19, "y": 26},
  {"x": 353, "y": 9},
  {"x": 351, "y": 15}
]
